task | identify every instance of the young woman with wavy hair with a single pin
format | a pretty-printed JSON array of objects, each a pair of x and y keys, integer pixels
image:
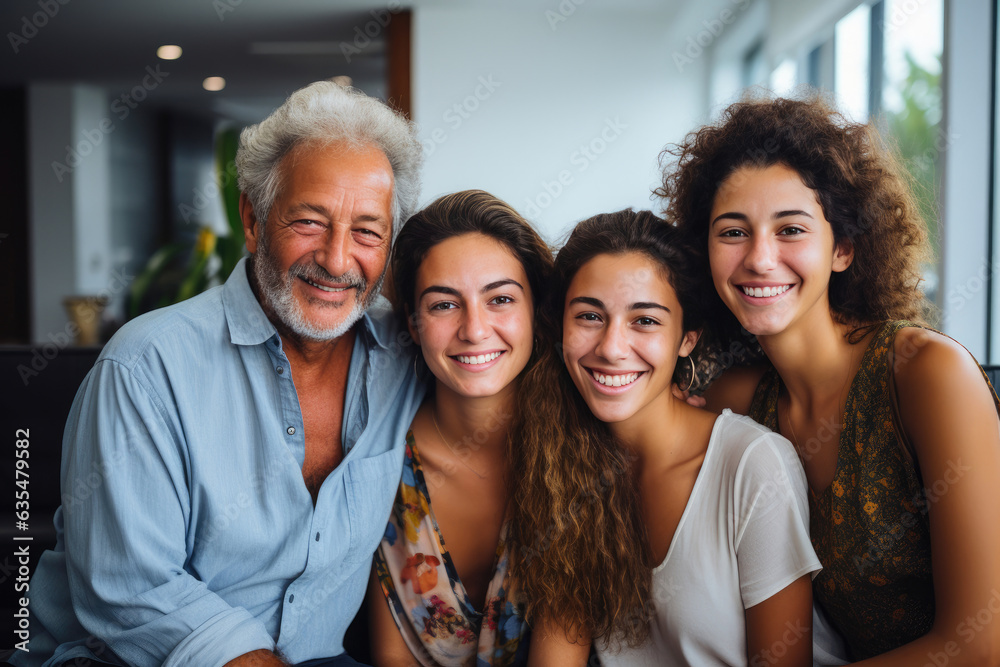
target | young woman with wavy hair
[
  {"x": 809, "y": 232},
  {"x": 467, "y": 277},
  {"x": 664, "y": 533}
]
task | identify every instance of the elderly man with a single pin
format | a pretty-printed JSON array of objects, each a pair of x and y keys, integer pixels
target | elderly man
[{"x": 240, "y": 451}]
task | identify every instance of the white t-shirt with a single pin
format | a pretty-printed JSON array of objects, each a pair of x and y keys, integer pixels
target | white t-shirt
[{"x": 743, "y": 536}]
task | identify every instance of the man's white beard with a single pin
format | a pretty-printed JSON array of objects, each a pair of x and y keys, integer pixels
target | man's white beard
[{"x": 276, "y": 294}]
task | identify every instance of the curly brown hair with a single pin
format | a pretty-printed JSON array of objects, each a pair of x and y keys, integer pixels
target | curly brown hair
[
  {"x": 863, "y": 190},
  {"x": 580, "y": 551}
]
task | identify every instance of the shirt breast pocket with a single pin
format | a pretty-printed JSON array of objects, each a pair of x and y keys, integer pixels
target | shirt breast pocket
[{"x": 371, "y": 487}]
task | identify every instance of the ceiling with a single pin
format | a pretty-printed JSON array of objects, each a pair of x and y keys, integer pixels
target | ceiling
[{"x": 264, "y": 50}]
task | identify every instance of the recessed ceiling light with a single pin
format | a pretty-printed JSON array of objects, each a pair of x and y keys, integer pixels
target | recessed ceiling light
[
  {"x": 214, "y": 83},
  {"x": 169, "y": 52},
  {"x": 342, "y": 80}
]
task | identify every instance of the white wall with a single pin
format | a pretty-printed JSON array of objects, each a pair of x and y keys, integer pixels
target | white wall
[
  {"x": 592, "y": 99},
  {"x": 70, "y": 220},
  {"x": 793, "y": 22},
  {"x": 728, "y": 51},
  {"x": 51, "y": 206}
]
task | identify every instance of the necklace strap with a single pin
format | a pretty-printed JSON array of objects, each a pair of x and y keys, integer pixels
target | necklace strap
[{"x": 447, "y": 444}]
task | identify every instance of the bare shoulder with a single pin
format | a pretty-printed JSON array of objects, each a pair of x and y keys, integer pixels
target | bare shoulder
[
  {"x": 924, "y": 357},
  {"x": 945, "y": 404},
  {"x": 734, "y": 389}
]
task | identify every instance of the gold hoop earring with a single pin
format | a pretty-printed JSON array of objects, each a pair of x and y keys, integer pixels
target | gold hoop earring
[{"x": 694, "y": 375}]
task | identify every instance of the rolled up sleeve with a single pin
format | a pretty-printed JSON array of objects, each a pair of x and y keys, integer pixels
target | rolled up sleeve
[{"x": 126, "y": 508}]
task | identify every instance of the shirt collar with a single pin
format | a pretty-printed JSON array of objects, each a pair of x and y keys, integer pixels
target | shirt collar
[
  {"x": 248, "y": 325},
  {"x": 379, "y": 323}
]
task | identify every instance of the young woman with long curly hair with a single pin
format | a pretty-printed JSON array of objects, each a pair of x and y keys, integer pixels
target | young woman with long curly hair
[
  {"x": 809, "y": 232},
  {"x": 710, "y": 560}
]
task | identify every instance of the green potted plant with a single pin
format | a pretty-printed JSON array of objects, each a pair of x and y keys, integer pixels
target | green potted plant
[{"x": 167, "y": 278}]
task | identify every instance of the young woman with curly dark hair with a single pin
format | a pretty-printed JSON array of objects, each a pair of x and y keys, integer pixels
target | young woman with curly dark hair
[
  {"x": 715, "y": 504},
  {"x": 809, "y": 232}
]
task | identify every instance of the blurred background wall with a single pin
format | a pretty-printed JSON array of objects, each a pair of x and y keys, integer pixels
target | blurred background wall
[{"x": 561, "y": 107}]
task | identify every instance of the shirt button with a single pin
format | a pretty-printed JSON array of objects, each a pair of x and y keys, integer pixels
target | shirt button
[
  {"x": 291, "y": 598},
  {"x": 290, "y": 430},
  {"x": 280, "y": 370},
  {"x": 317, "y": 537}
]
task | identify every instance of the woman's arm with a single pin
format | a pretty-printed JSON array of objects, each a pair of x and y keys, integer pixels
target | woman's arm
[
  {"x": 950, "y": 417},
  {"x": 552, "y": 645},
  {"x": 387, "y": 645},
  {"x": 779, "y": 629}
]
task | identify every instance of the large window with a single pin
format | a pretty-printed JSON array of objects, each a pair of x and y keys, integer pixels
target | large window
[
  {"x": 853, "y": 64},
  {"x": 887, "y": 70},
  {"x": 911, "y": 104}
]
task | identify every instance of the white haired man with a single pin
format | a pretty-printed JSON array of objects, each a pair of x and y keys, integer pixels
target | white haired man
[{"x": 241, "y": 450}]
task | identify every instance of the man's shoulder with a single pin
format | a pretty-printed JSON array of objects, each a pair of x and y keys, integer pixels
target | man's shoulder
[{"x": 187, "y": 327}]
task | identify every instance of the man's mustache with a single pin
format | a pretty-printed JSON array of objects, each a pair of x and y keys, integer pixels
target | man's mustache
[{"x": 316, "y": 273}]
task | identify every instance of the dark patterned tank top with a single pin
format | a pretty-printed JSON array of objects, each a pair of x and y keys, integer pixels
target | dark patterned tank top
[{"x": 869, "y": 527}]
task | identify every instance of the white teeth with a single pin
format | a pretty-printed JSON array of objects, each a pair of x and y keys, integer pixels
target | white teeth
[
  {"x": 479, "y": 359},
  {"x": 616, "y": 380},
  {"x": 765, "y": 291},
  {"x": 325, "y": 288}
]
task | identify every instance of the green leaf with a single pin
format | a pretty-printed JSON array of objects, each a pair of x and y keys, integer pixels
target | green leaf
[
  {"x": 226, "y": 143},
  {"x": 154, "y": 268},
  {"x": 196, "y": 279}
]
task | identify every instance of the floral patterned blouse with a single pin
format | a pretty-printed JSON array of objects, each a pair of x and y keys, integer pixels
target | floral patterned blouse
[
  {"x": 428, "y": 601},
  {"x": 870, "y": 527}
]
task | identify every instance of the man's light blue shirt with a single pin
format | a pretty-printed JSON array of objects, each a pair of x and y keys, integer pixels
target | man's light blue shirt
[{"x": 187, "y": 535}]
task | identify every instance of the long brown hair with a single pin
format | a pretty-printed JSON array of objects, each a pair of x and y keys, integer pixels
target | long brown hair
[
  {"x": 863, "y": 190},
  {"x": 579, "y": 547}
]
